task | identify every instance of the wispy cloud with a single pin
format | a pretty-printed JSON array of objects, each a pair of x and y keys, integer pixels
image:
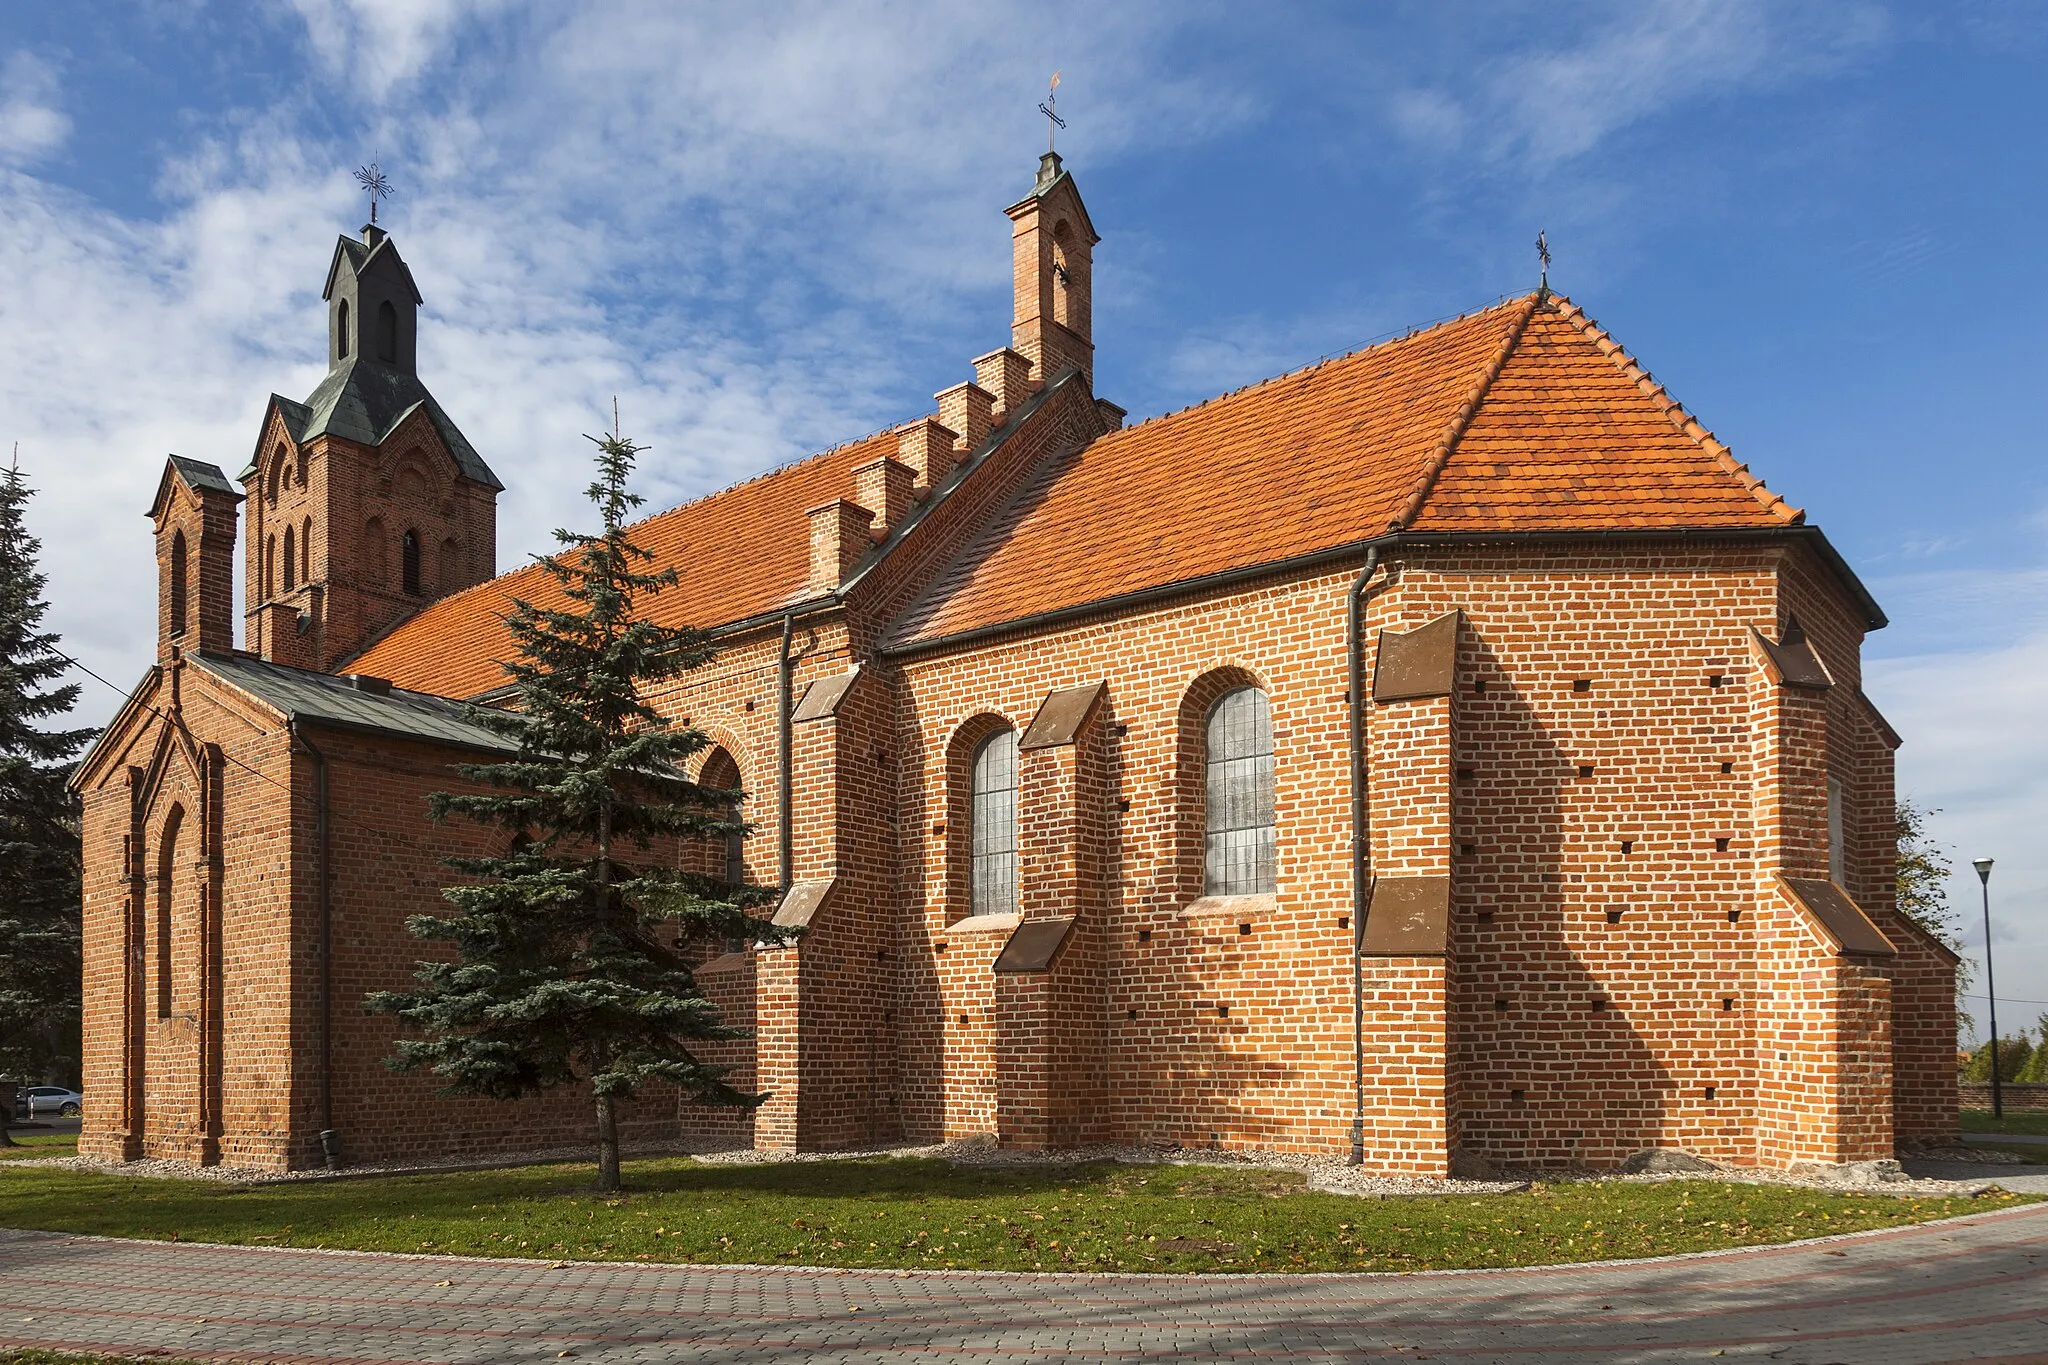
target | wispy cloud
[
  {"x": 1545, "y": 104},
  {"x": 31, "y": 123}
]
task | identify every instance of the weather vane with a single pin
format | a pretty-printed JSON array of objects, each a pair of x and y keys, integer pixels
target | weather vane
[
  {"x": 1049, "y": 107},
  {"x": 1543, "y": 256},
  {"x": 371, "y": 178}
]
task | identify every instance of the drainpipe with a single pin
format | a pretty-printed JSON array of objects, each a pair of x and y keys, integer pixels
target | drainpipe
[
  {"x": 1361, "y": 852},
  {"x": 785, "y": 780},
  {"x": 330, "y": 1140}
]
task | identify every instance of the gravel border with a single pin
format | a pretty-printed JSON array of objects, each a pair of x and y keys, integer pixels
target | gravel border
[{"x": 1326, "y": 1174}]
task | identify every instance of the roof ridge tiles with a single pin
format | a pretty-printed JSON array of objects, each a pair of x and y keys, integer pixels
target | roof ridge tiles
[
  {"x": 1440, "y": 453},
  {"x": 1674, "y": 411}
]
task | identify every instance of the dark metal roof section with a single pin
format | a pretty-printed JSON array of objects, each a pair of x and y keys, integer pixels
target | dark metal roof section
[
  {"x": 1034, "y": 944},
  {"x": 1417, "y": 663},
  {"x": 198, "y": 475},
  {"x": 364, "y": 401},
  {"x": 1839, "y": 917},
  {"x": 802, "y": 903},
  {"x": 1061, "y": 716},
  {"x": 1793, "y": 662},
  {"x": 359, "y": 704},
  {"x": 822, "y": 697},
  {"x": 1408, "y": 917}
]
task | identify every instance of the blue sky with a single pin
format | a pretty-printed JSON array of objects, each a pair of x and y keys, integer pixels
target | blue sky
[{"x": 770, "y": 228}]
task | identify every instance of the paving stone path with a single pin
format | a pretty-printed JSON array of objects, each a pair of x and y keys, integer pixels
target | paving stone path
[{"x": 1975, "y": 1289}]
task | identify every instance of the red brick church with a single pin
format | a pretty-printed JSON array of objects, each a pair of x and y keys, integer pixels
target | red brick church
[{"x": 1444, "y": 753}]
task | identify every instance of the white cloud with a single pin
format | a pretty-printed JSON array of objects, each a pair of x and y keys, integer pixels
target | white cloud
[
  {"x": 1977, "y": 749},
  {"x": 1544, "y": 106},
  {"x": 747, "y": 225},
  {"x": 31, "y": 124}
]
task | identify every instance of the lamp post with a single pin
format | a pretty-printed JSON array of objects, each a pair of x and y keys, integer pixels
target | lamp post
[{"x": 1983, "y": 866}]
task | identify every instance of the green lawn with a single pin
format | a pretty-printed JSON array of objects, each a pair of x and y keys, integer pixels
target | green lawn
[
  {"x": 34, "y": 1144},
  {"x": 928, "y": 1214},
  {"x": 1980, "y": 1121}
]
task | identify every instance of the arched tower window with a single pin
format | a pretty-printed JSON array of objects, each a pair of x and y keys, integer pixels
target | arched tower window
[
  {"x": 1062, "y": 275},
  {"x": 992, "y": 824},
  {"x": 451, "y": 565},
  {"x": 178, "y": 572},
  {"x": 269, "y": 556},
  {"x": 291, "y": 562},
  {"x": 1238, "y": 857},
  {"x": 409, "y": 562},
  {"x": 387, "y": 333},
  {"x": 306, "y": 551},
  {"x": 341, "y": 331},
  {"x": 166, "y": 887}
]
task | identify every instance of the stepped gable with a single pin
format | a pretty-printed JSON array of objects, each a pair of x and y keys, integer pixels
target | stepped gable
[
  {"x": 1522, "y": 417},
  {"x": 739, "y": 553},
  {"x": 1314, "y": 459},
  {"x": 1573, "y": 434}
]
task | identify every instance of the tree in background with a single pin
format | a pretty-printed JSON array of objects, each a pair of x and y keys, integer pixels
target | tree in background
[
  {"x": 1923, "y": 873},
  {"x": 39, "y": 841},
  {"x": 571, "y": 963}
]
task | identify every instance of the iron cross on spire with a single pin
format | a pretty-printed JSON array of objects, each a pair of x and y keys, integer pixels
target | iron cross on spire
[
  {"x": 1049, "y": 106},
  {"x": 1543, "y": 260},
  {"x": 371, "y": 178}
]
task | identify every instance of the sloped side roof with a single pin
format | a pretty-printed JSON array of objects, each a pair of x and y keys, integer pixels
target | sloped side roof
[
  {"x": 1314, "y": 459},
  {"x": 1522, "y": 417},
  {"x": 298, "y": 693},
  {"x": 364, "y": 401},
  {"x": 739, "y": 553}
]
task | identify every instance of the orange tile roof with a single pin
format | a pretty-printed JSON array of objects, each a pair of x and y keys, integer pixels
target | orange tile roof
[
  {"x": 1522, "y": 417},
  {"x": 739, "y": 552}
]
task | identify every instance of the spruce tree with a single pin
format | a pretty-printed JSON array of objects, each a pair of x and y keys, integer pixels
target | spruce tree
[
  {"x": 571, "y": 947},
  {"x": 39, "y": 843}
]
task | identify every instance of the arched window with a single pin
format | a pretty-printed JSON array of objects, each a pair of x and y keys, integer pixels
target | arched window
[
  {"x": 992, "y": 825},
  {"x": 291, "y": 562},
  {"x": 306, "y": 551},
  {"x": 1062, "y": 280},
  {"x": 341, "y": 331},
  {"x": 178, "y": 583},
  {"x": 450, "y": 565},
  {"x": 269, "y": 556},
  {"x": 1239, "y": 855},
  {"x": 166, "y": 886},
  {"x": 387, "y": 333},
  {"x": 409, "y": 562},
  {"x": 721, "y": 773}
]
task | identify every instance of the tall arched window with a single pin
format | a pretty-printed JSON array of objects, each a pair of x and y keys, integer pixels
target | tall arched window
[
  {"x": 269, "y": 557},
  {"x": 721, "y": 773},
  {"x": 450, "y": 567},
  {"x": 341, "y": 331},
  {"x": 1239, "y": 854},
  {"x": 387, "y": 333},
  {"x": 166, "y": 886},
  {"x": 291, "y": 562},
  {"x": 409, "y": 562},
  {"x": 306, "y": 551},
  {"x": 992, "y": 825},
  {"x": 178, "y": 572}
]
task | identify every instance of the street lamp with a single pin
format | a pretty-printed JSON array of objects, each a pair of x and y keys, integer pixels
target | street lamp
[{"x": 1983, "y": 866}]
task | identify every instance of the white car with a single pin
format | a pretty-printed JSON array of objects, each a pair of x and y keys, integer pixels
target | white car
[{"x": 51, "y": 1099}]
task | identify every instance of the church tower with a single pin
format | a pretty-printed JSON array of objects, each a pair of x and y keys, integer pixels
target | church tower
[
  {"x": 1052, "y": 253},
  {"x": 366, "y": 502}
]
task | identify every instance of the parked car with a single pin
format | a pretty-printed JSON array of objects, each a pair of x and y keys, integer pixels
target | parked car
[{"x": 51, "y": 1099}]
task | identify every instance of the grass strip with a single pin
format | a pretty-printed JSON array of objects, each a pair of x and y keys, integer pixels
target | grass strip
[
  {"x": 31, "y": 1145},
  {"x": 925, "y": 1214},
  {"x": 1980, "y": 1121}
]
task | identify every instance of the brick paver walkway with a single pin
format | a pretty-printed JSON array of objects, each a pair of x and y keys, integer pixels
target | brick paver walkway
[{"x": 1974, "y": 1289}]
